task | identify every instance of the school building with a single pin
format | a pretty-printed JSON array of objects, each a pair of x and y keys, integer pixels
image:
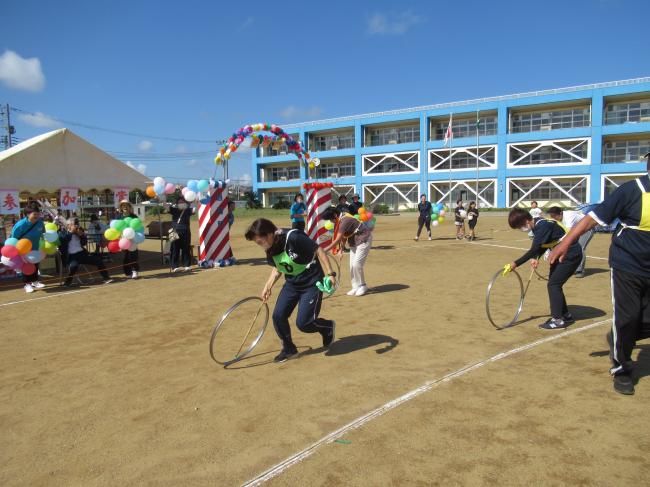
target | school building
[{"x": 564, "y": 146}]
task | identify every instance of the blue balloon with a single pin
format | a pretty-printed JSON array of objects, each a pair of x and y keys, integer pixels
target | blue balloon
[
  {"x": 139, "y": 237},
  {"x": 193, "y": 184},
  {"x": 11, "y": 241},
  {"x": 203, "y": 185}
]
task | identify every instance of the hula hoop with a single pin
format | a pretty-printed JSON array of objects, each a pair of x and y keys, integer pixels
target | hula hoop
[
  {"x": 334, "y": 264},
  {"x": 522, "y": 290},
  {"x": 241, "y": 353}
]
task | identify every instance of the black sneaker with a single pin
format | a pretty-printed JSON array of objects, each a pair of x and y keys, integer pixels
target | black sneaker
[
  {"x": 329, "y": 335},
  {"x": 568, "y": 319},
  {"x": 68, "y": 282},
  {"x": 285, "y": 355},
  {"x": 623, "y": 384},
  {"x": 553, "y": 324}
]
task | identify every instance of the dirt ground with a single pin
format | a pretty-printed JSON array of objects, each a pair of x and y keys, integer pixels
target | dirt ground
[{"x": 114, "y": 385}]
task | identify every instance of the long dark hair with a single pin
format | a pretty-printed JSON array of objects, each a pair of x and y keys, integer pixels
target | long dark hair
[
  {"x": 262, "y": 228},
  {"x": 330, "y": 214}
]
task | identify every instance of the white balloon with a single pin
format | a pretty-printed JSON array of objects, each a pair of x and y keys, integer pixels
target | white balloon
[
  {"x": 134, "y": 246},
  {"x": 128, "y": 233},
  {"x": 158, "y": 181},
  {"x": 435, "y": 223},
  {"x": 189, "y": 195}
]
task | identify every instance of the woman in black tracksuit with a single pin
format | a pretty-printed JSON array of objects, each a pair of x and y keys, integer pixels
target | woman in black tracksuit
[
  {"x": 546, "y": 235},
  {"x": 181, "y": 214},
  {"x": 302, "y": 261},
  {"x": 425, "y": 209}
]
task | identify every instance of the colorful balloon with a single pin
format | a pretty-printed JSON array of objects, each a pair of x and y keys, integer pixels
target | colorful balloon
[
  {"x": 24, "y": 245},
  {"x": 158, "y": 181},
  {"x": 193, "y": 185},
  {"x": 28, "y": 268},
  {"x": 34, "y": 257},
  {"x": 51, "y": 226},
  {"x": 11, "y": 241},
  {"x": 139, "y": 238},
  {"x": 112, "y": 234},
  {"x": 128, "y": 233},
  {"x": 136, "y": 224},
  {"x": 113, "y": 246},
  {"x": 124, "y": 243},
  {"x": 9, "y": 251},
  {"x": 151, "y": 193},
  {"x": 49, "y": 248},
  {"x": 203, "y": 185},
  {"x": 441, "y": 219},
  {"x": 189, "y": 196}
]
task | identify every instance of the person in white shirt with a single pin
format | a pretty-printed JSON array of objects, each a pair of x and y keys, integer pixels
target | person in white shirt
[
  {"x": 534, "y": 211},
  {"x": 569, "y": 219}
]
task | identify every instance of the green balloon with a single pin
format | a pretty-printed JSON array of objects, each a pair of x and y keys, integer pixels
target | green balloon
[{"x": 136, "y": 224}]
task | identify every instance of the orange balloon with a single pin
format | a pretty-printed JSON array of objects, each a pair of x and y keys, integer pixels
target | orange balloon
[
  {"x": 150, "y": 192},
  {"x": 362, "y": 210},
  {"x": 24, "y": 246}
]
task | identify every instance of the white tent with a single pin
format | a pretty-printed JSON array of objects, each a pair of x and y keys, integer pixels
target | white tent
[{"x": 60, "y": 159}]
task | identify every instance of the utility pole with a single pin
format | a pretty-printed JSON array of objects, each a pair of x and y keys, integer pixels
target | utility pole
[{"x": 8, "y": 127}]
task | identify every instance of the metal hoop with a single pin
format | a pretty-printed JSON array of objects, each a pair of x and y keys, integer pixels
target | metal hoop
[
  {"x": 240, "y": 355},
  {"x": 522, "y": 295}
]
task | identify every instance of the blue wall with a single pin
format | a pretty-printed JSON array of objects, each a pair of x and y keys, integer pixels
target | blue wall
[{"x": 593, "y": 93}]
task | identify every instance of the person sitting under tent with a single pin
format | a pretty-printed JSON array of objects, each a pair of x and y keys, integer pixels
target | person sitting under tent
[{"x": 74, "y": 254}]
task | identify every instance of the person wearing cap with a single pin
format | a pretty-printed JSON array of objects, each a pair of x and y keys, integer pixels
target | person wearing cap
[
  {"x": 32, "y": 228},
  {"x": 569, "y": 219},
  {"x": 355, "y": 205},
  {"x": 130, "y": 264},
  {"x": 629, "y": 260}
]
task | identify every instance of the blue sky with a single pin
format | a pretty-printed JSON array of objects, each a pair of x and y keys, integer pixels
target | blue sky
[{"x": 199, "y": 70}]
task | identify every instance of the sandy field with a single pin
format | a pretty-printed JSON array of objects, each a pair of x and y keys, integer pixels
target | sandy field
[{"x": 113, "y": 385}]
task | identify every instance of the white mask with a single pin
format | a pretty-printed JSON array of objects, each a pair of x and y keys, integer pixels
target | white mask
[{"x": 525, "y": 229}]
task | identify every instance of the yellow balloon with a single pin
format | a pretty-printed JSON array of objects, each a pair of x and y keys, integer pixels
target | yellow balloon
[
  {"x": 311, "y": 165},
  {"x": 226, "y": 156},
  {"x": 217, "y": 159}
]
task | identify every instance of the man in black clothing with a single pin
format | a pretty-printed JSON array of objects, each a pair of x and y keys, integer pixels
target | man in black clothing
[
  {"x": 73, "y": 252},
  {"x": 343, "y": 206},
  {"x": 629, "y": 259},
  {"x": 546, "y": 235},
  {"x": 355, "y": 205},
  {"x": 425, "y": 209}
]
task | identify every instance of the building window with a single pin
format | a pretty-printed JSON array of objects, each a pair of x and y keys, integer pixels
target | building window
[
  {"x": 550, "y": 120},
  {"x": 464, "y": 190},
  {"x": 273, "y": 197},
  {"x": 464, "y": 127},
  {"x": 462, "y": 158},
  {"x": 277, "y": 148},
  {"x": 611, "y": 182},
  {"x": 343, "y": 190},
  {"x": 335, "y": 169},
  {"x": 627, "y": 112},
  {"x": 392, "y": 135},
  {"x": 399, "y": 196},
  {"x": 625, "y": 150},
  {"x": 567, "y": 191},
  {"x": 573, "y": 151},
  {"x": 284, "y": 173},
  {"x": 403, "y": 162},
  {"x": 331, "y": 142}
]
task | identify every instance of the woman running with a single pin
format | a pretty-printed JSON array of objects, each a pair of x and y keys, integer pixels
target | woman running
[
  {"x": 546, "y": 235},
  {"x": 425, "y": 209},
  {"x": 302, "y": 261},
  {"x": 472, "y": 219},
  {"x": 359, "y": 239}
]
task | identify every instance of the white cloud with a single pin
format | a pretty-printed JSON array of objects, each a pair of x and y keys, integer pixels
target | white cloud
[
  {"x": 192, "y": 162},
  {"x": 247, "y": 23},
  {"x": 145, "y": 145},
  {"x": 39, "y": 119},
  {"x": 20, "y": 73},
  {"x": 392, "y": 23},
  {"x": 141, "y": 168},
  {"x": 180, "y": 149},
  {"x": 292, "y": 112}
]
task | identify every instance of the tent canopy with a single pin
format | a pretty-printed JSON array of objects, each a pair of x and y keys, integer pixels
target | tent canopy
[{"x": 59, "y": 159}]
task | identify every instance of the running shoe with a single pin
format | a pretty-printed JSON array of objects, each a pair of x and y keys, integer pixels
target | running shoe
[
  {"x": 285, "y": 355},
  {"x": 329, "y": 335},
  {"x": 553, "y": 324},
  {"x": 623, "y": 384}
]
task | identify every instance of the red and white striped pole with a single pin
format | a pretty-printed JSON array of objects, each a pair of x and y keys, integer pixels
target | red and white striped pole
[
  {"x": 214, "y": 231},
  {"x": 319, "y": 198}
]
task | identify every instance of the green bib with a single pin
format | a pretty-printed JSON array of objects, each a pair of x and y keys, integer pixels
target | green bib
[{"x": 285, "y": 265}]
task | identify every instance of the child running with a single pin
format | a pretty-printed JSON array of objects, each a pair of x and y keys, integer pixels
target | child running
[
  {"x": 425, "y": 209},
  {"x": 301, "y": 260},
  {"x": 459, "y": 219},
  {"x": 546, "y": 235},
  {"x": 472, "y": 220}
]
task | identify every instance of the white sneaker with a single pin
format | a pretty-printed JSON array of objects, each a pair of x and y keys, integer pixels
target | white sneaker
[
  {"x": 134, "y": 275},
  {"x": 416, "y": 238},
  {"x": 430, "y": 238},
  {"x": 361, "y": 291},
  {"x": 187, "y": 269},
  {"x": 352, "y": 292},
  {"x": 29, "y": 288},
  {"x": 177, "y": 269},
  {"x": 38, "y": 285},
  {"x": 107, "y": 281}
]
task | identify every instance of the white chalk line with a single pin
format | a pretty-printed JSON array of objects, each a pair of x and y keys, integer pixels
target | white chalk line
[
  {"x": 522, "y": 248},
  {"x": 47, "y": 297},
  {"x": 381, "y": 410}
]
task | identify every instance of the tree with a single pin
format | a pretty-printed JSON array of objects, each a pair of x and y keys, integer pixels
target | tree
[{"x": 252, "y": 201}]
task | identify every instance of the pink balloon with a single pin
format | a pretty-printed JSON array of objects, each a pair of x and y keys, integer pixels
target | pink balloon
[
  {"x": 28, "y": 269},
  {"x": 16, "y": 262},
  {"x": 9, "y": 251},
  {"x": 124, "y": 243},
  {"x": 185, "y": 188},
  {"x": 169, "y": 188},
  {"x": 369, "y": 215}
]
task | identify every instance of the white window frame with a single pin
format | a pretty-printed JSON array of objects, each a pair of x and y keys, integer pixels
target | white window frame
[
  {"x": 471, "y": 150},
  {"x": 385, "y": 155},
  {"x": 548, "y": 143},
  {"x": 603, "y": 177},
  {"x": 391, "y": 186},
  {"x": 470, "y": 184},
  {"x": 351, "y": 190},
  {"x": 544, "y": 179}
]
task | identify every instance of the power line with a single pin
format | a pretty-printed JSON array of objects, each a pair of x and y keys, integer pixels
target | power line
[{"x": 116, "y": 131}]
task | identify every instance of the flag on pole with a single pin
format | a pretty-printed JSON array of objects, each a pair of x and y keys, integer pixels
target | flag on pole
[{"x": 449, "y": 134}]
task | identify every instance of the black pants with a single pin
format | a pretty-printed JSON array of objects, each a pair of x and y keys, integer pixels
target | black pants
[
  {"x": 559, "y": 275},
  {"x": 631, "y": 300},
  {"x": 298, "y": 225},
  {"x": 130, "y": 262},
  {"x": 309, "y": 303},
  {"x": 181, "y": 246},
  {"x": 424, "y": 221},
  {"x": 32, "y": 277},
  {"x": 83, "y": 257}
]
